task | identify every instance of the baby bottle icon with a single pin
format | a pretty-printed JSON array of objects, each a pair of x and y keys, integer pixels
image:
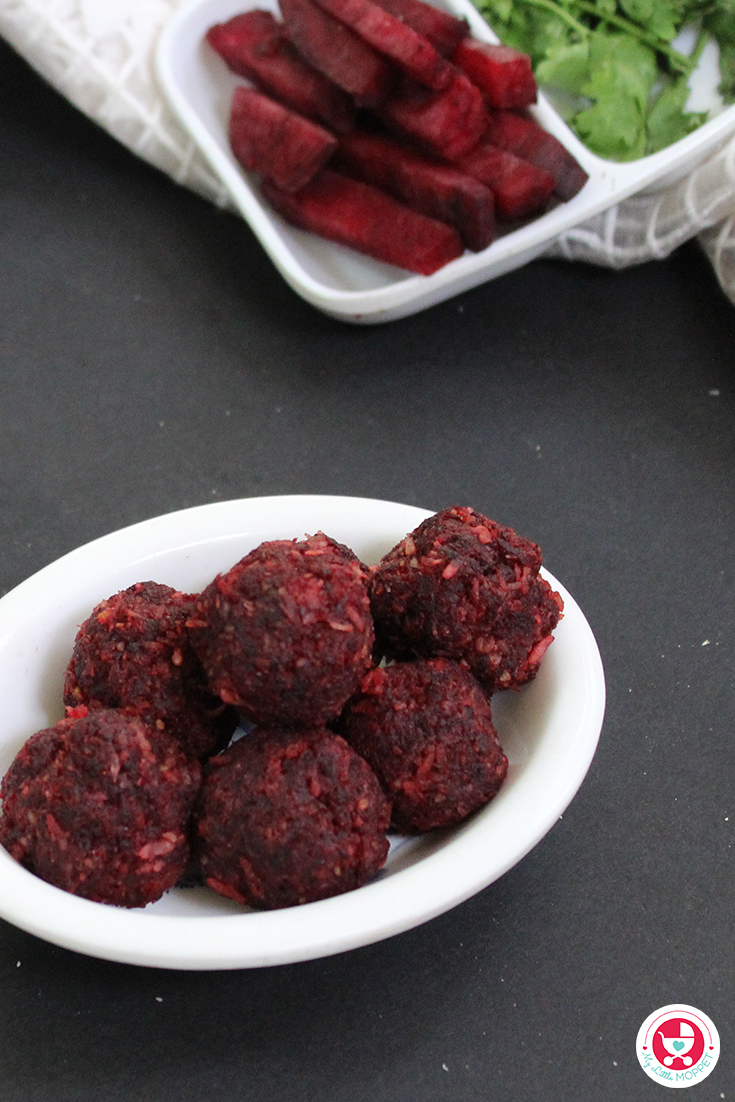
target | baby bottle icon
[{"x": 678, "y": 1047}]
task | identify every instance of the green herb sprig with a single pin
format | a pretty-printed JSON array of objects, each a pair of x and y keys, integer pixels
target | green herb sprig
[{"x": 617, "y": 78}]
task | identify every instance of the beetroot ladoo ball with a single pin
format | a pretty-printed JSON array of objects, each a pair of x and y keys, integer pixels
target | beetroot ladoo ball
[
  {"x": 286, "y": 634},
  {"x": 461, "y": 586},
  {"x": 100, "y": 806},
  {"x": 427, "y": 731},
  {"x": 288, "y": 817},
  {"x": 134, "y": 653}
]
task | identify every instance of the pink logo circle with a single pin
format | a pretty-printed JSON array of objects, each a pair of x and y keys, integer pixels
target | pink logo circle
[{"x": 678, "y": 1045}]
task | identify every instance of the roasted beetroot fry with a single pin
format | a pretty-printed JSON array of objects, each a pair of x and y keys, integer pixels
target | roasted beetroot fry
[
  {"x": 525, "y": 138},
  {"x": 254, "y": 45},
  {"x": 444, "y": 31},
  {"x": 503, "y": 75},
  {"x": 270, "y": 139},
  {"x": 448, "y": 123},
  {"x": 435, "y": 189},
  {"x": 356, "y": 214},
  {"x": 520, "y": 188},
  {"x": 392, "y": 38},
  {"x": 337, "y": 51}
]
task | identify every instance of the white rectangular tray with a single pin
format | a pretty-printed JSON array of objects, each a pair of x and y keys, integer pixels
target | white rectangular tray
[{"x": 337, "y": 280}]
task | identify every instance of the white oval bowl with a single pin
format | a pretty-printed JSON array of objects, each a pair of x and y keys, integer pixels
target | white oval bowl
[{"x": 549, "y": 731}]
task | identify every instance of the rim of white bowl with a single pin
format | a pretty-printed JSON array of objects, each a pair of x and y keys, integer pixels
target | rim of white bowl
[{"x": 457, "y": 868}]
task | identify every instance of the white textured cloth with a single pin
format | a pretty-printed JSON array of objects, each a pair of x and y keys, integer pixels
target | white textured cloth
[{"x": 99, "y": 55}]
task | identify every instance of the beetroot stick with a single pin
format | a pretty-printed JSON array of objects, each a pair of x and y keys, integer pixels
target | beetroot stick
[
  {"x": 444, "y": 31},
  {"x": 520, "y": 188},
  {"x": 527, "y": 139},
  {"x": 503, "y": 75},
  {"x": 337, "y": 51},
  {"x": 430, "y": 187},
  {"x": 355, "y": 214},
  {"x": 268, "y": 138},
  {"x": 254, "y": 45},
  {"x": 389, "y": 36},
  {"x": 449, "y": 122}
]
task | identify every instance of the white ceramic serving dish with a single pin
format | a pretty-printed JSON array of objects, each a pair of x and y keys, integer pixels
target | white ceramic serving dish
[
  {"x": 335, "y": 279},
  {"x": 549, "y": 731}
]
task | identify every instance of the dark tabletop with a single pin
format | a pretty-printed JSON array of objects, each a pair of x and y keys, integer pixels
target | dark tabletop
[{"x": 152, "y": 359}]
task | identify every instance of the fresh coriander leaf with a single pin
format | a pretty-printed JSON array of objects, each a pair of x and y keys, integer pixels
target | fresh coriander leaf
[
  {"x": 622, "y": 75},
  {"x": 528, "y": 28},
  {"x": 563, "y": 72},
  {"x": 628, "y": 46},
  {"x": 566, "y": 67},
  {"x": 668, "y": 120},
  {"x": 501, "y": 9},
  {"x": 620, "y": 66},
  {"x": 655, "y": 15},
  {"x": 603, "y": 7},
  {"x": 615, "y": 131},
  {"x": 719, "y": 20},
  {"x": 727, "y": 71},
  {"x": 690, "y": 11}
]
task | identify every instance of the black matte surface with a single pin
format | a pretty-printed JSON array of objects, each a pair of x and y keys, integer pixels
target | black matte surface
[{"x": 152, "y": 359}]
